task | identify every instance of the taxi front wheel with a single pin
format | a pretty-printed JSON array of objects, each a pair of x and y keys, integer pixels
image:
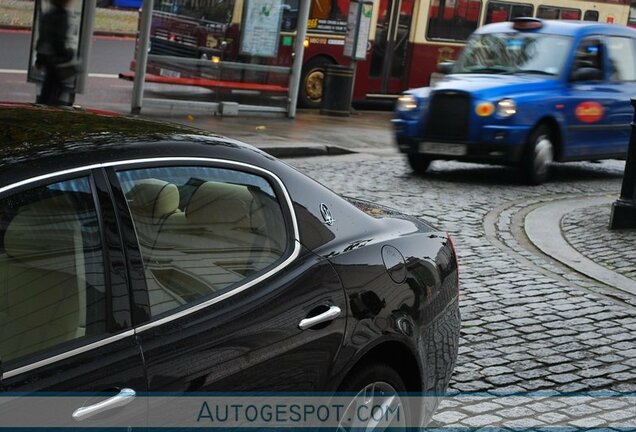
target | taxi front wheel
[
  {"x": 538, "y": 156},
  {"x": 419, "y": 163}
]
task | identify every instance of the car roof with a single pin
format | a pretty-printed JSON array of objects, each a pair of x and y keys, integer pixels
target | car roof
[
  {"x": 29, "y": 128},
  {"x": 60, "y": 139},
  {"x": 564, "y": 27}
]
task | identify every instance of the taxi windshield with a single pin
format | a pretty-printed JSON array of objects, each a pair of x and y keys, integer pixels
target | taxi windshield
[{"x": 514, "y": 53}]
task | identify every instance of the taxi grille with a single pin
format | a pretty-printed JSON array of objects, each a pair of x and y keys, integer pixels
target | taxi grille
[{"x": 448, "y": 116}]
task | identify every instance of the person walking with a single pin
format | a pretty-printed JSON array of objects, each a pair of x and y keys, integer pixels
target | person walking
[{"x": 53, "y": 54}]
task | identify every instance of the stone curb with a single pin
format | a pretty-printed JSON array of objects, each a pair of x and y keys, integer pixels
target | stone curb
[
  {"x": 305, "y": 151},
  {"x": 543, "y": 228}
]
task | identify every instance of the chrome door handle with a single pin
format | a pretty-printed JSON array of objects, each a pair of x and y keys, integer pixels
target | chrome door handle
[
  {"x": 332, "y": 313},
  {"x": 124, "y": 397}
]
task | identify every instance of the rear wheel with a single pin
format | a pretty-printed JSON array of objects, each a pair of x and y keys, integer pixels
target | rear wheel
[
  {"x": 311, "y": 83},
  {"x": 377, "y": 404},
  {"x": 419, "y": 163},
  {"x": 538, "y": 156}
]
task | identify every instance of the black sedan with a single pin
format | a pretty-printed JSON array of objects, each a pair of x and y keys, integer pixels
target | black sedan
[{"x": 141, "y": 258}]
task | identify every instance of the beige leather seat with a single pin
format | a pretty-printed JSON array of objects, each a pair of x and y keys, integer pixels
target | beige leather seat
[
  {"x": 152, "y": 202},
  {"x": 42, "y": 283},
  {"x": 226, "y": 224}
]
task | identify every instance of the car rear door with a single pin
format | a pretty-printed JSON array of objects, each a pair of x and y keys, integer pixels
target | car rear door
[
  {"x": 226, "y": 284},
  {"x": 66, "y": 327}
]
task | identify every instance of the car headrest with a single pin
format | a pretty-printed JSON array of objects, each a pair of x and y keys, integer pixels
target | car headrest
[
  {"x": 153, "y": 198},
  {"x": 50, "y": 226},
  {"x": 217, "y": 203}
]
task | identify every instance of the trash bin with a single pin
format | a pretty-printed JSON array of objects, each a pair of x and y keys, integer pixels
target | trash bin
[{"x": 336, "y": 90}]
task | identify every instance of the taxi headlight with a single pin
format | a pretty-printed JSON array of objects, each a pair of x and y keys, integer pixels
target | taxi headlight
[
  {"x": 406, "y": 103},
  {"x": 506, "y": 108}
]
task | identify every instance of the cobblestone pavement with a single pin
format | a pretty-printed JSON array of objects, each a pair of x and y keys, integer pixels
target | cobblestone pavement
[
  {"x": 586, "y": 230},
  {"x": 529, "y": 324}
]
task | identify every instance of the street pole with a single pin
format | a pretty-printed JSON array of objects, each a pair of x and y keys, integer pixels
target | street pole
[
  {"x": 141, "y": 56},
  {"x": 624, "y": 209},
  {"x": 299, "y": 53},
  {"x": 86, "y": 37}
]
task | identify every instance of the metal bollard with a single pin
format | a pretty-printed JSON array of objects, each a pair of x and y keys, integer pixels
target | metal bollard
[{"x": 624, "y": 209}]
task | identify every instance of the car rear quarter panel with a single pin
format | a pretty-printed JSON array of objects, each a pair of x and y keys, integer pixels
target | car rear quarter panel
[{"x": 421, "y": 312}]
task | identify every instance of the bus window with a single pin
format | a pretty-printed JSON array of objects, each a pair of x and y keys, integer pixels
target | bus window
[
  {"x": 499, "y": 11},
  {"x": 219, "y": 11},
  {"x": 325, "y": 9},
  {"x": 551, "y": 12},
  {"x": 452, "y": 19},
  {"x": 328, "y": 16},
  {"x": 590, "y": 15},
  {"x": 290, "y": 15}
]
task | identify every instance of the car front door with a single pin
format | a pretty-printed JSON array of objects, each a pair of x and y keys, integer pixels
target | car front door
[
  {"x": 229, "y": 287},
  {"x": 597, "y": 104},
  {"x": 65, "y": 319},
  {"x": 621, "y": 64}
]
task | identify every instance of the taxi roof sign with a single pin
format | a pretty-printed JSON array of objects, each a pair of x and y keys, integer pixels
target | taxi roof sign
[{"x": 526, "y": 23}]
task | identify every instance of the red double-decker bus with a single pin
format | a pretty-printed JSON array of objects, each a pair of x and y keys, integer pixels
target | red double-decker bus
[{"x": 408, "y": 38}]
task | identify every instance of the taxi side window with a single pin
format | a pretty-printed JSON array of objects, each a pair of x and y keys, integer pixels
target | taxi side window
[
  {"x": 622, "y": 58},
  {"x": 588, "y": 60}
]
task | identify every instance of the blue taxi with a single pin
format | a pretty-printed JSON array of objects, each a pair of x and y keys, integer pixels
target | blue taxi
[{"x": 526, "y": 93}]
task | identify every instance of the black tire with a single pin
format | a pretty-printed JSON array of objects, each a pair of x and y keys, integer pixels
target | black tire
[
  {"x": 313, "y": 74},
  {"x": 377, "y": 380},
  {"x": 419, "y": 163},
  {"x": 538, "y": 156}
]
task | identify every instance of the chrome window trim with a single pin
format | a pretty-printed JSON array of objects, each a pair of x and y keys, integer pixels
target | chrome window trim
[
  {"x": 185, "y": 312},
  {"x": 65, "y": 355}
]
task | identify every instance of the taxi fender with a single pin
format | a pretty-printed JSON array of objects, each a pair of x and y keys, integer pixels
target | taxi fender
[{"x": 555, "y": 118}]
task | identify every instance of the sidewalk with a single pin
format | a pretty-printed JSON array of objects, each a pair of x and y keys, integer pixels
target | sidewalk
[
  {"x": 309, "y": 134},
  {"x": 576, "y": 233}
]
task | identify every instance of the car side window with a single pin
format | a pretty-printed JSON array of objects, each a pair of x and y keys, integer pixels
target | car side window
[
  {"x": 202, "y": 230},
  {"x": 52, "y": 288},
  {"x": 622, "y": 58},
  {"x": 588, "y": 60}
]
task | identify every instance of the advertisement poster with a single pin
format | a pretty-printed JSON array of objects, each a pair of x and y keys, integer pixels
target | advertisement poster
[
  {"x": 75, "y": 10},
  {"x": 358, "y": 27},
  {"x": 261, "y": 27},
  {"x": 327, "y": 25}
]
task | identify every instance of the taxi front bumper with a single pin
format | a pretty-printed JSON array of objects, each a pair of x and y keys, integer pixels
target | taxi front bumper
[{"x": 494, "y": 143}]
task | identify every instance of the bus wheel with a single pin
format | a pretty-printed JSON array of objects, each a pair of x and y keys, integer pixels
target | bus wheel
[
  {"x": 538, "y": 156},
  {"x": 313, "y": 74},
  {"x": 419, "y": 163}
]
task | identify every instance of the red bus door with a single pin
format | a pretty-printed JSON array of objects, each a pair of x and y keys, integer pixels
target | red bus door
[{"x": 388, "y": 68}]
